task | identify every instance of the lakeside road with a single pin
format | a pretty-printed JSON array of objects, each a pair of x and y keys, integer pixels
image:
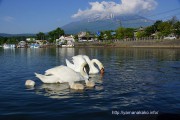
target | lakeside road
[{"x": 138, "y": 43}]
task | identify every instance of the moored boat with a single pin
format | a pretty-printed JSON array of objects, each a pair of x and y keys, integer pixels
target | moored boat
[
  {"x": 6, "y": 46},
  {"x": 35, "y": 45}
]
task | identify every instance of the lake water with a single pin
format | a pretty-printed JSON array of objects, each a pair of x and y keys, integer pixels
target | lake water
[{"x": 138, "y": 84}]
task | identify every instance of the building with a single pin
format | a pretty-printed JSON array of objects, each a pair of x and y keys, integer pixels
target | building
[
  {"x": 85, "y": 36},
  {"x": 30, "y": 39},
  {"x": 66, "y": 41},
  {"x": 22, "y": 44}
]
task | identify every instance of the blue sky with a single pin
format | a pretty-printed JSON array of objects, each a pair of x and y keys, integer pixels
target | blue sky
[{"x": 33, "y": 16}]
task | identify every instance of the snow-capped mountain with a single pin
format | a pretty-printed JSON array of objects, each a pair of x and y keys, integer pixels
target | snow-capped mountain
[{"x": 108, "y": 22}]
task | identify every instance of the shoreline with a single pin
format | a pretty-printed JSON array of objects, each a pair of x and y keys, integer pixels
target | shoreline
[
  {"x": 125, "y": 44},
  {"x": 132, "y": 44}
]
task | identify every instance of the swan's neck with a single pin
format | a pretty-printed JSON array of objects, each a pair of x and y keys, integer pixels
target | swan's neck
[
  {"x": 82, "y": 72},
  {"x": 87, "y": 59},
  {"x": 99, "y": 64}
]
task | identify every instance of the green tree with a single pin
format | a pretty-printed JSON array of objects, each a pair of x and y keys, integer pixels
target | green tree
[
  {"x": 40, "y": 36},
  {"x": 149, "y": 31},
  {"x": 176, "y": 29},
  {"x": 3, "y": 40},
  {"x": 76, "y": 38},
  {"x": 100, "y": 37},
  {"x": 59, "y": 32},
  {"x": 108, "y": 34},
  {"x": 55, "y": 34},
  {"x": 140, "y": 34},
  {"x": 120, "y": 32},
  {"x": 129, "y": 33},
  {"x": 88, "y": 35},
  {"x": 52, "y": 36},
  {"x": 165, "y": 28},
  {"x": 156, "y": 24},
  {"x": 11, "y": 40}
]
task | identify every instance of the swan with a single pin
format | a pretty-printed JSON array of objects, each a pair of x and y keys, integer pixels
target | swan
[
  {"x": 79, "y": 59},
  {"x": 62, "y": 74},
  {"x": 29, "y": 83}
]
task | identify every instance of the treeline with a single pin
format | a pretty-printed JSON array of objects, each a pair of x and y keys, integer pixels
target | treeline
[
  {"x": 158, "y": 29},
  {"x": 50, "y": 36},
  {"x": 11, "y": 40},
  {"x": 161, "y": 29}
]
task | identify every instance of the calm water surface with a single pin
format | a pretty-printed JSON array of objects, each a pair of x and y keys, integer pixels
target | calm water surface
[{"x": 135, "y": 80}]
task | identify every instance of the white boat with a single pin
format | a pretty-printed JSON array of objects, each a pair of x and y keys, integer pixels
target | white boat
[
  {"x": 67, "y": 45},
  {"x": 6, "y": 46},
  {"x": 35, "y": 46}
]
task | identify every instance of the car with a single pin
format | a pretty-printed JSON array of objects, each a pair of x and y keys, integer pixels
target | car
[{"x": 170, "y": 38}]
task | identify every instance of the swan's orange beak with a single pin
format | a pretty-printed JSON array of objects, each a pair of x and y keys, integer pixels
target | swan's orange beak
[{"x": 102, "y": 71}]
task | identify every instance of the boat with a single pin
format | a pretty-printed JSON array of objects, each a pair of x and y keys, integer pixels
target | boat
[
  {"x": 6, "y": 46},
  {"x": 67, "y": 45},
  {"x": 35, "y": 45}
]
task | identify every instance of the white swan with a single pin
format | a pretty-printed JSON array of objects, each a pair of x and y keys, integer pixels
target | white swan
[
  {"x": 63, "y": 74},
  {"x": 79, "y": 59},
  {"x": 30, "y": 83}
]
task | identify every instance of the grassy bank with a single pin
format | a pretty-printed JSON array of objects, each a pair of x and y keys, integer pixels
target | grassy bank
[{"x": 138, "y": 43}]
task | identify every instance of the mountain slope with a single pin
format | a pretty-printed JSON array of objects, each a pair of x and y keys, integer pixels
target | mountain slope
[{"x": 110, "y": 22}]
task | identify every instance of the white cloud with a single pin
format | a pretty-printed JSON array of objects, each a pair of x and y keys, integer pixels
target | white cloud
[
  {"x": 8, "y": 18},
  {"x": 124, "y": 7}
]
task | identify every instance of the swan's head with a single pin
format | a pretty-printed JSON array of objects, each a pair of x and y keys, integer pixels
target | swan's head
[
  {"x": 100, "y": 65},
  {"x": 102, "y": 71}
]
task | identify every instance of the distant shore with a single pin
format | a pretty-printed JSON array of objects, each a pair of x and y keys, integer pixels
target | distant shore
[{"x": 138, "y": 43}]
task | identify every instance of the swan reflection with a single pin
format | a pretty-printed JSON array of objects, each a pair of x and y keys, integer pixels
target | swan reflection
[
  {"x": 61, "y": 91},
  {"x": 96, "y": 78},
  {"x": 56, "y": 91}
]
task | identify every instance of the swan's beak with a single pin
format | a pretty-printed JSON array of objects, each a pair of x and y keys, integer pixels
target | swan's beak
[{"x": 102, "y": 71}]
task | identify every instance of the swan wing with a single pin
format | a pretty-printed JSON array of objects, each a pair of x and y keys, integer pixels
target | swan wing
[
  {"x": 70, "y": 65},
  {"x": 52, "y": 71},
  {"x": 78, "y": 61},
  {"x": 47, "y": 79},
  {"x": 65, "y": 74}
]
